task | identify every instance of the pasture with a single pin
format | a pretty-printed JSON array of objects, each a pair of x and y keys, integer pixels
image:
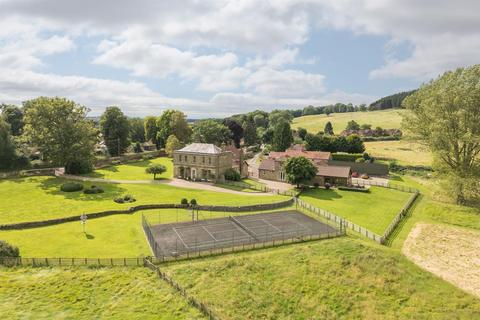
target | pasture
[
  {"x": 404, "y": 151},
  {"x": 387, "y": 119},
  {"x": 343, "y": 278},
  {"x": 89, "y": 293}
]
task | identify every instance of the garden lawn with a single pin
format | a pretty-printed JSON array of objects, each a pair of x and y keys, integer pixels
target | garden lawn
[
  {"x": 342, "y": 278},
  {"x": 134, "y": 170},
  {"x": 250, "y": 185},
  {"x": 40, "y": 198},
  {"x": 116, "y": 236},
  {"x": 374, "y": 211},
  {"x": 387, "y": 119},
  {"x": 89, "y": 293},
  {"x": 406, "y": 152}
]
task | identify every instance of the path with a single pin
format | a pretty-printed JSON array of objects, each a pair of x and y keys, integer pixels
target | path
[{"x": 179, "y": 183}]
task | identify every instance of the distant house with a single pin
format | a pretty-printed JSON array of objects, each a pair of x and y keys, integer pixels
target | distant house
[
  {"x": 272, "y": 167},
  {"x": 202, "y": 161},
  {"x": 149, "y": 146},
  {"x": 239, "y": 162}
]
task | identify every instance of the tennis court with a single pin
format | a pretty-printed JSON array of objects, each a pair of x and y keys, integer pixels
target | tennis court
[{"x": 180, "y": 238}]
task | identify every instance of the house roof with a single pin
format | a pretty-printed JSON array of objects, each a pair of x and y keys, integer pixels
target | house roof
[
  {"x": 267, "y": 164},
  {"x": 333, "y": 171},
  {"x": 202, "y": 148},
  {"x": 290, "y": 153}
]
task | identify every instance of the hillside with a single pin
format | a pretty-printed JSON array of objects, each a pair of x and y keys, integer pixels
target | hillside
[{"x": 387, "y": 119}]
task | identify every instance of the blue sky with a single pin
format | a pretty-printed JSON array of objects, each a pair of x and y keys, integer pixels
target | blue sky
[{"x": 220, "y": 57}]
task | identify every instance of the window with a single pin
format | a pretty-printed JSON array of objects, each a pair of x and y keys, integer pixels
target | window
[
  {"x": 186, "y": 158},
  {"x": 209, "y": 160},
  {"x": 194, "y": 158},
  {"x": 203, "y": 159}
]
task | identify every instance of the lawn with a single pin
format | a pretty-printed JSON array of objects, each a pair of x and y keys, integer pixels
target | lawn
[
  {"x": 89, "y": 293},
  {"x": 40, "y": 198},
  {"x": 134, "y": 170},
  {"x": 374, "y": 210},
  {"x": 343, "y": 278},
  {"x": 405, "y": 151},
  {"x": 118, "y": 236},
  {"x": 249, "y": 185},
  {"x": 387, "y": 119}
]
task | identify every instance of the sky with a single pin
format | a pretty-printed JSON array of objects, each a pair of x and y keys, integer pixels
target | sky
[{"x": 214, "y": 58}]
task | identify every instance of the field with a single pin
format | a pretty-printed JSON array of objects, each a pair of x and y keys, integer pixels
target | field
[
  {"x": 89, "y": 293},
  {"x": 406, "y": 152},
  {"x": 134, "y": 170},
  {"x": 40, "y": 198},
  {"x": 374, "y": 210},
  {"x": 342, "y": 278},
  {"x": 387, "y": 119}
]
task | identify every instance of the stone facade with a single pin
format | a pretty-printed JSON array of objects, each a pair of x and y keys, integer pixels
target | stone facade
[{"x": 201, "y": 161}]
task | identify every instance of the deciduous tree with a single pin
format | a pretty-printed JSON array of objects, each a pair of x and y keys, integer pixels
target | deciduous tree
[
  {"x": 445, "y": 115},
  {"x": 328, "y": 128},
  {"x": 299, "y": 170},
  {"x": 282, "y": 136},
  {"x": 115, "y": 129},
  {"x": 172, "y": 144},
  {"x": 210, "y": 131}
]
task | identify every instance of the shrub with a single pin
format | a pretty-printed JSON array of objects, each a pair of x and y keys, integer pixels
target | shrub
[
  {"x": 184, "y": 201},
  {"x": 93, "y": 190},
  {"x": 360, "y": 160},
  {"x": 137, "y": 148},
  {"x": 7, "y": 250},
  {"x": 78, "y": 167},
  {"x": 115, "y": 162},
  {"x": 193, "y": 202},
  {"x": 71, "y": 187},
  {"x": 316, "y": 184},
  {"x": 232, "y": 175},
  {"x": 125, "y": 199},
  {"x": 355, "y": 189}
]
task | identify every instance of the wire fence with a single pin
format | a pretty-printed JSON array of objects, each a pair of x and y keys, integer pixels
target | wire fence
[
  {"x": 202, "y": 307},
  {"x": 382, "y": 239},
  {"x": 58, "y": 262}
]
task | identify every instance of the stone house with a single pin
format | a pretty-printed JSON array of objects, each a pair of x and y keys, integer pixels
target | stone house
[
  {"x": 272, "y": 167},
  {"x": 201, "y": 161}
]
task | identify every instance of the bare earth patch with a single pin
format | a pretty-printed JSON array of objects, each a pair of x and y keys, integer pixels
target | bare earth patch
[{"x": 448, "y": 252}]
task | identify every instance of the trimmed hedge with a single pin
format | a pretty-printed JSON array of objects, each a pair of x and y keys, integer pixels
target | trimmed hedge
[
  {"x": 354, "y": 189},
  {"x": 351, "y": 157},
  {"x": 71, "y": 187},
  {"x": 93, "y": 190}
]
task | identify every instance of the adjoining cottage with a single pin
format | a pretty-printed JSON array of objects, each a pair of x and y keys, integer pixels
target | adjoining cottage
[
  {"x": 272, "y": 167},
  {"x": 204, "y": 161}
]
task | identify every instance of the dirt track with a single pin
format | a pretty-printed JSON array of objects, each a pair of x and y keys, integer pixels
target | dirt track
[{"x": 448, "y": 252}]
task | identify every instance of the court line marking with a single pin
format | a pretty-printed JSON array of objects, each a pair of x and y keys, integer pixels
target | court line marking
[
  {"x": 211, "y": 235},
  {"x": 181, "y": 239}
]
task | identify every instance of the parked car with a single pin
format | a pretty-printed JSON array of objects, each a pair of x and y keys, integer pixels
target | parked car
[
  {"x": 365, "y": 176},
  {"x": 355, "y": 174}
]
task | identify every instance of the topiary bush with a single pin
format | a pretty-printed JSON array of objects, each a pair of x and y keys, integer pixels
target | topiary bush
[
  {"x": 193, "y": 202},
  {"x": 232, "y": 175},
  {"x": 93, "y": 190},
  {"x": 184, "y": 201},
  {"x": 71, "y": 187},
  {"x": 125, "y": 199},
  {"x": 7, "y": 250}
]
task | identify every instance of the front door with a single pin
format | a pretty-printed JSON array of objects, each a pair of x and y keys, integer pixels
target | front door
[{"x": 194, "y": 174}]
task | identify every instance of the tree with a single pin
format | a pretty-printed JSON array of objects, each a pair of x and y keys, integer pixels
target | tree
[
  {"x": 156, "y": 169},
  {"x": 362, "y": 107},
  {"x": 151, "y": 129},
  {"x": 328, "y": 128},
  {"x": 355, "y": 144},
  {"x": 210, "y": 131},
  {"x": 282, "y": 136},
  {"x": 249, "y": 132},
  {"x": 366, "y": 126},
  {"x": 319, "y": 143},
  {"x": 236, "y": 130},
  {"x": 13, "y": 115},
  {"x": 445, "y": 115},
  {"x": 8, "y": 154},
  {"x": 70, "y": 142},
  {"x": 302, "y": 133},
  {"x": 260, "y": 120},
  {"x": 137, "y": 130},
  {"x": 180, "y": 127},
  {"x": 115, "y": 130},
  {"x": 172, "y": 144},
  {"x": 267, "y": 136},
  {"x": 164, "y": 125},
  {"x": 352, "y": 125},
  {"x": 300, "y": 170},
  {"x": 277, "y": 116}
]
